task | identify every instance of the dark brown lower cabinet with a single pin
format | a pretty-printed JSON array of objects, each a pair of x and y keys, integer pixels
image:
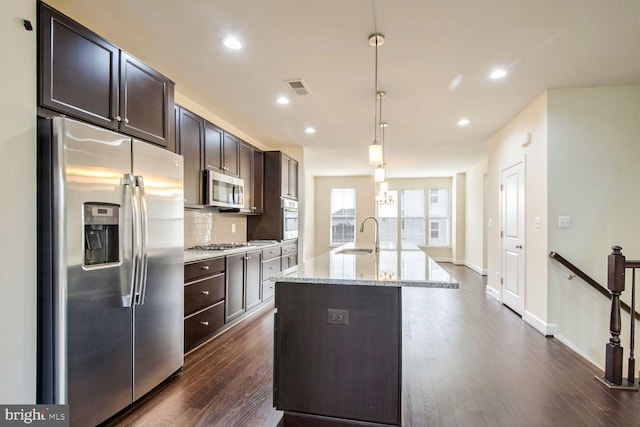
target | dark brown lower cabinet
[
  {"x": 338, "y": 352},
  {"x": 204, "y": 293},
  {"x": 243, "y": 283},
  {"x": 252, "y": 278},
  {"x": 235, "y": 287}
]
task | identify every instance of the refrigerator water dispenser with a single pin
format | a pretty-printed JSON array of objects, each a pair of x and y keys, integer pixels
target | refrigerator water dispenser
[{"x": 101, "y": 231}]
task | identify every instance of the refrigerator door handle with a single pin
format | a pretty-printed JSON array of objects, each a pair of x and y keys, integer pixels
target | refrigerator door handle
[
  {"x": 137, "y": 242},
  {"x": 128, "y": 182},
  {"x": 143, "y": 239}
]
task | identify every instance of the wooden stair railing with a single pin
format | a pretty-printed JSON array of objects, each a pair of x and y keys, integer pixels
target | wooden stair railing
[
  {"x": 616, "y": 268},
  {"x": 595, "y": 285}
]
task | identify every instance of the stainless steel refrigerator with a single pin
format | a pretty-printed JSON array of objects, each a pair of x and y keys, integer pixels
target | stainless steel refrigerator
[{"x": 110, "y": 268}]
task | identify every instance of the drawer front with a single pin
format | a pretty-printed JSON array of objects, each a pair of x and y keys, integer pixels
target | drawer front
[
  {"x": 270, "y": 253},
  {"x": 200, "y": 326},
  {"x": 268, "y": 289},
  {"x": 289, "y": 249},
  {"x": 270, "y": 267},
  {"x": 289, "y": 261},
  {"x": 207, "y": 267},
  {"x": 199, "y": 295}
]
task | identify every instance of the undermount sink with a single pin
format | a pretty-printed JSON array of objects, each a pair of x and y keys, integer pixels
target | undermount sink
[{"x": 355, "y": 251}]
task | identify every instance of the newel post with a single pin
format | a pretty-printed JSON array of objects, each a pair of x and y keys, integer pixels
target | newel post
[{"x": 615, "y": 283}]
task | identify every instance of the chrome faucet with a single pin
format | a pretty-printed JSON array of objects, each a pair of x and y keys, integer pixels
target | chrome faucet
[{"x": 376, "y": 242}]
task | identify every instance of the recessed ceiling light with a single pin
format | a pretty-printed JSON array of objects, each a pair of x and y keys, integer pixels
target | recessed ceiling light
[
  {"x": 282, "y": 100},
  {"x": 309, "y": 130},
  {"x": 232, "y": 43},
  {"x": 498, "y": 73},
  {"x": 463, "y": 122}
]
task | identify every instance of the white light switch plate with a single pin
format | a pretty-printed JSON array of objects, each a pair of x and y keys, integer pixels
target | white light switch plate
[
  {"x": 233, "y": 228},
  {"x": 564, "y": 222}
]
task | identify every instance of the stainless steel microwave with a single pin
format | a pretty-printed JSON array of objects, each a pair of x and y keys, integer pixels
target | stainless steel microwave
[{"x": 223, "y": 191}]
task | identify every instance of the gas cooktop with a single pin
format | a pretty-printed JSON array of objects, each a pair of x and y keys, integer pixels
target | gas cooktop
[{"x": 220, "y": 246}]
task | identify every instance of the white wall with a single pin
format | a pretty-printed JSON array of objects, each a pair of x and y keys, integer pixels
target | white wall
[
  {"x": 458, "y": 219},
  {"x": 505, "y": 149},
  {"x": 594, "y": 171},
  {"x": 475, "y": 223},
  {"x": 18, "y": 195}
]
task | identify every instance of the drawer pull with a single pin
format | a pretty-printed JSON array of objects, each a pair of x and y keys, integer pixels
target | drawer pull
[
  {"x": 247, "y": 258},
  {"x": 204, "y": 323},
  {"x": 204, "y": 267},
  {"x": 204, "y": 292}
]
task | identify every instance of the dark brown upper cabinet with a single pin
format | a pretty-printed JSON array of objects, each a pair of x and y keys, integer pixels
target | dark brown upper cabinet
[
  {"x": 221, "y": 150},
  {"x": 252, "y": 172},
  {"x": 289, "y": 177},
  {"x": 190, "y": 144},
  {"x": 231, "y": 155},
  {"x": 213, "y": 148},
  {"x": 84, "y": 76}
]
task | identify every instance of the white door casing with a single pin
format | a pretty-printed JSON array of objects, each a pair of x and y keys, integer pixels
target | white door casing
[{"x": 512, "y": 236}]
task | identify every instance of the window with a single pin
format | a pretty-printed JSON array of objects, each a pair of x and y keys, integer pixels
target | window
[
  {"x": 413, "y": 221},
  {"x": 388, "y": 217},
  {"x": 343, "y": 216},
  {"x": 439, "y": 217}
]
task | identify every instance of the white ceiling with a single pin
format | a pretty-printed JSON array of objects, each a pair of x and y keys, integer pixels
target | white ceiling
[{"x": 543, "y": 44}]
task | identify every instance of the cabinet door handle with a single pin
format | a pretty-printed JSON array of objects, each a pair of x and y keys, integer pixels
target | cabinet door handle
[
  {"x": 247, "y": 258},
  {"x": 204, "y": 323},
  {"x": 126, "y": 120},
  {"x": 204, "y": 267},
  {"x": 117, "y": 118},
  {"x": 204, "y": 292},
  {"x": 254, "y": 208}
]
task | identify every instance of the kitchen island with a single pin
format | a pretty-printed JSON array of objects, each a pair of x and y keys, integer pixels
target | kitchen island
[{"x": 338, "y": 334}]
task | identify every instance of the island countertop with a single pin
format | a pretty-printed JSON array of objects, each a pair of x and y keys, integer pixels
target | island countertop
[{"x": 407, "y": 266}]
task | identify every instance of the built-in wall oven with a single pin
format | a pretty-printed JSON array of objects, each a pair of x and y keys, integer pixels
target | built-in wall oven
[{"x": 289, "y": 218}]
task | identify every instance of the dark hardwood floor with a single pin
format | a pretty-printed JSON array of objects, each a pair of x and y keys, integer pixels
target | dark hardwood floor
[{"x": 468, "y": 361}]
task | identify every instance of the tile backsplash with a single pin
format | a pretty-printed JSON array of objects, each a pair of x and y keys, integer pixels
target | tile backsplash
[{"x": 203, "y": 228}]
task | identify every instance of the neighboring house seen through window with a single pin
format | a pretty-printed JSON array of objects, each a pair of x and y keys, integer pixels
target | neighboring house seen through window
[
  {"x": 343, "y": 216},
  {"x": 439, "y": 217}
]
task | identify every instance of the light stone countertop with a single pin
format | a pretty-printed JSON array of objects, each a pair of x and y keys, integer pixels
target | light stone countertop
[
  {"x": 192, "y": 255},
  {"x": 408, "y": 266}
]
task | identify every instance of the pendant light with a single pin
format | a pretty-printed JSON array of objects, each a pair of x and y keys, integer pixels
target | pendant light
[{"x": 375, "y": 149}]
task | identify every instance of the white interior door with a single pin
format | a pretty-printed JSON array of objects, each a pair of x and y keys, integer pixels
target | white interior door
[{"x": 512, "y": 232}]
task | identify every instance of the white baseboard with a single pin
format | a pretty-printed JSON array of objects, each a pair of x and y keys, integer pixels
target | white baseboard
[
  {"x": 546, "y": 329},
  {"x": 441, "y": 259},
  {"x": 569, "y": 344},
  {"x": 493, "y": 293},
  {"x": 476, "y": 268},
  {"x": 457, "y": 262}
]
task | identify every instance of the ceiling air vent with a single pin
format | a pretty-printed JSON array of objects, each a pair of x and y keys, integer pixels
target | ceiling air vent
[{"x": 299, "y": 87}]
